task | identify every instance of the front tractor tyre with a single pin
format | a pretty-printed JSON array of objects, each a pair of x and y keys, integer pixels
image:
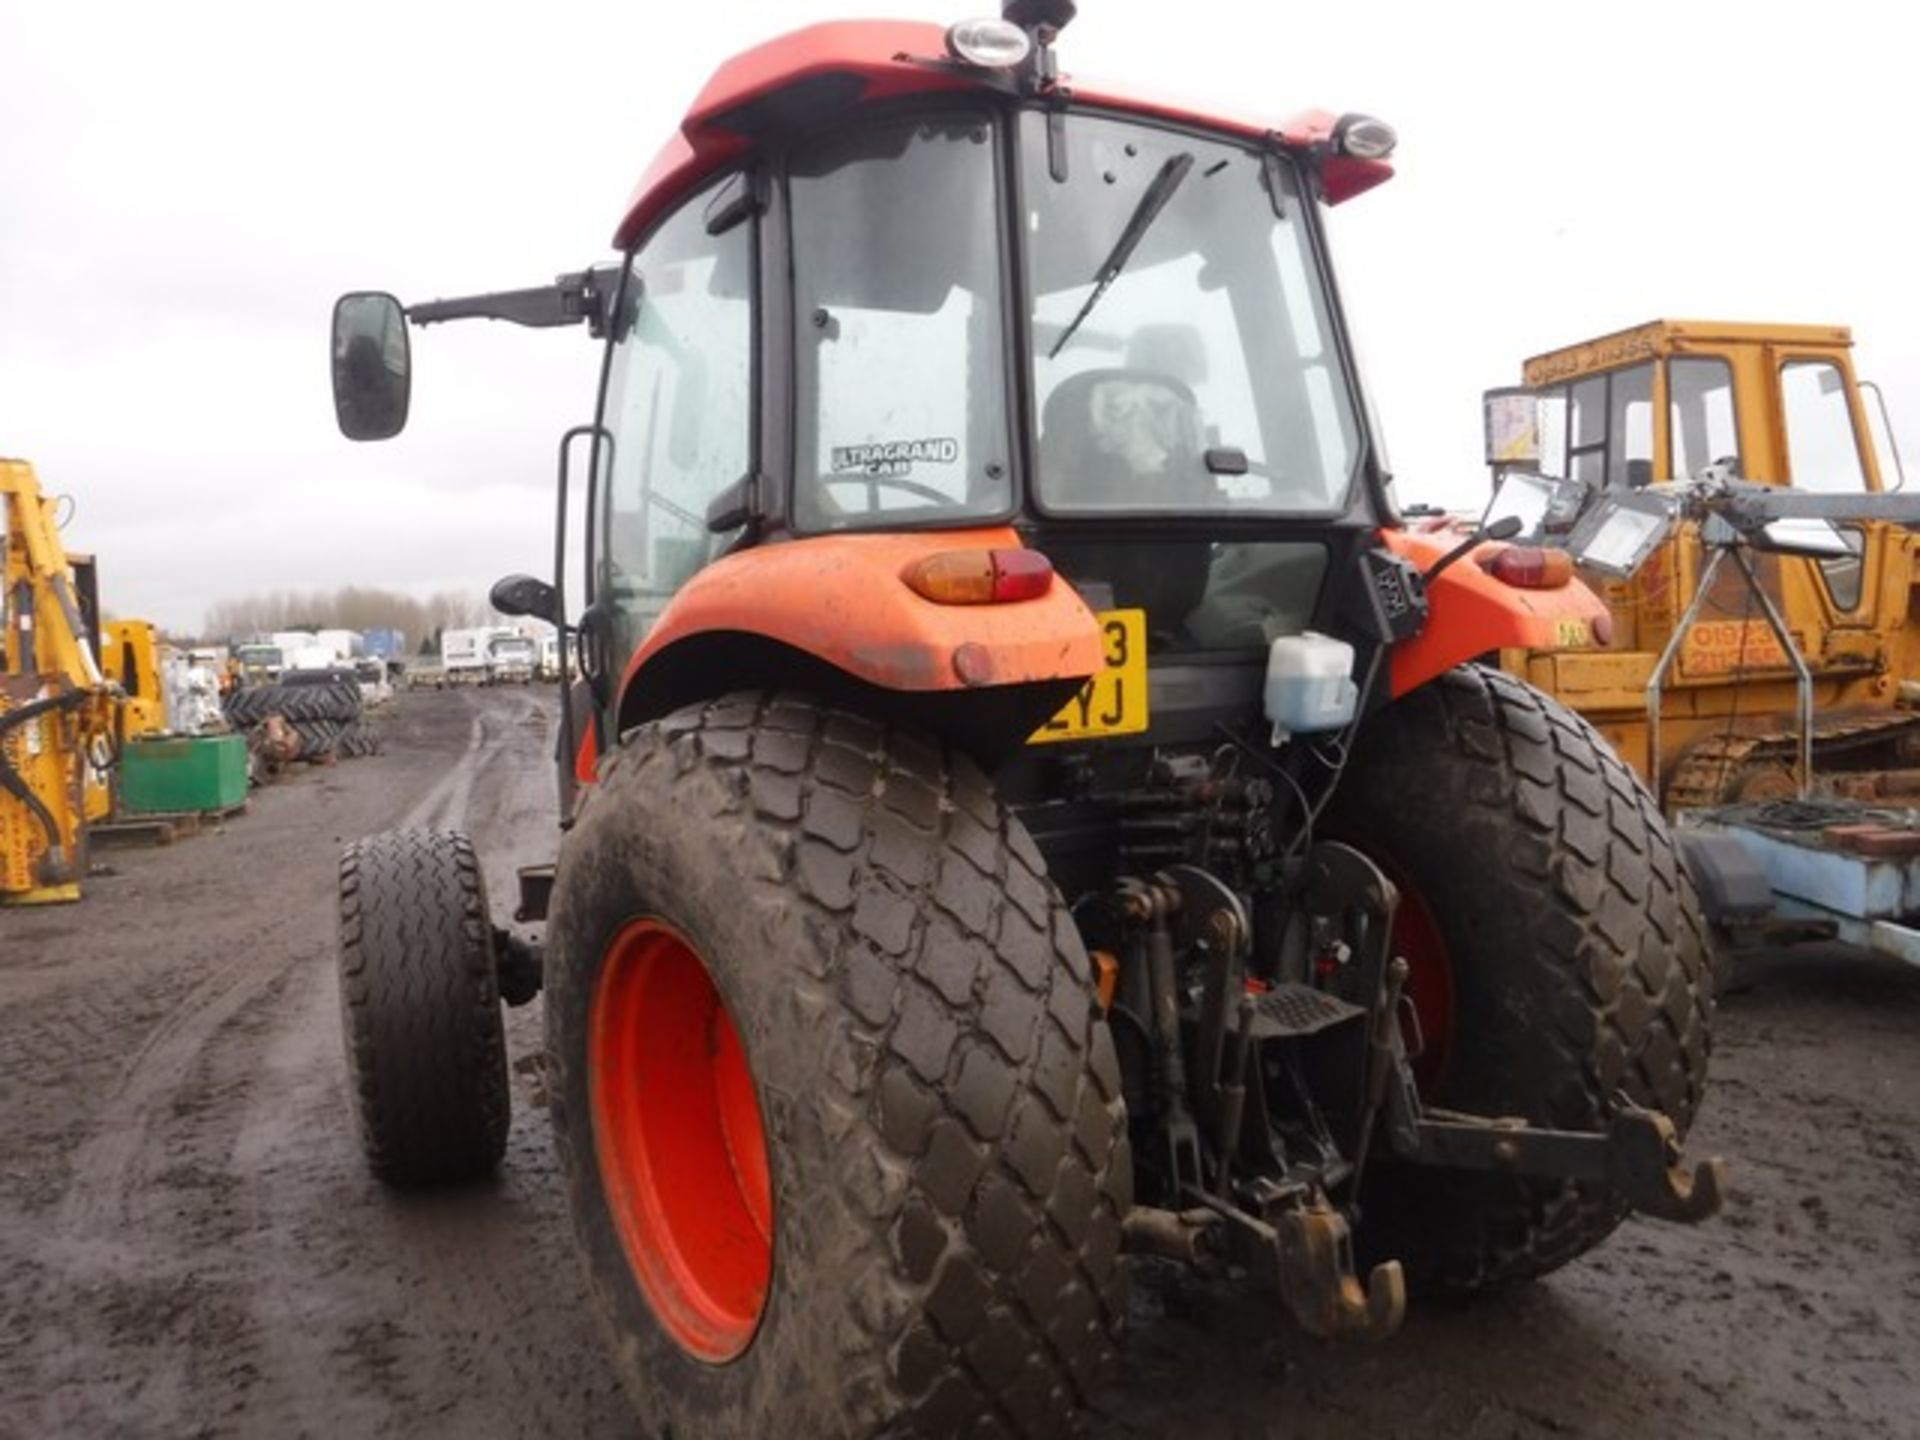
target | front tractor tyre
[
  {"x": 1557, "y": 955},
  {"x": 841, "y": 1126},
  {"x": 420, "y": 1007}
]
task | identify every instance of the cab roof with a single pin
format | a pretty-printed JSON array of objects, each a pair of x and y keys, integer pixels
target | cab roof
[
  {"x": 1667, "y": 337},
  {"x": 842, "y": 64}
]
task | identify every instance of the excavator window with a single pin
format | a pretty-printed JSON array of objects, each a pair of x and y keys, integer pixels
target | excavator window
[
  {"x": 1823, "y": 453},
  {"x": 1846, "y": 574},
  {"x": 1609, "y": 429},
  {"x": 1702, "y": 422}
]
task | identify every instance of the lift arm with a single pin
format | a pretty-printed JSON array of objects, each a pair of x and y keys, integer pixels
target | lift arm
[
  {"x": 45, "y": 635},
  {"x": 54, "y": 703}
]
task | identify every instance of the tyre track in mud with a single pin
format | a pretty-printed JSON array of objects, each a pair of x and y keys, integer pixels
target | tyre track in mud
[
  {"x": 189, "y": 1243},
  {"x": 1790, "y": 1317},
  {"x": 217, "y": 1260}
]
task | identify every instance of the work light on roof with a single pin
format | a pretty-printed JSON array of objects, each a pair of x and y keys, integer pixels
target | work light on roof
[
  {"x": 989, "y": 44},
  {"x": 1364, "y": 137}
]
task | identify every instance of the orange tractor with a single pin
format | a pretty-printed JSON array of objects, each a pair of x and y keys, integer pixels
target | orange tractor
[{"x": 1026, "y": 799}]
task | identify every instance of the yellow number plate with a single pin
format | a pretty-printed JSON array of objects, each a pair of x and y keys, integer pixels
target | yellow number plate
[{"x": 1113, "y": 702}]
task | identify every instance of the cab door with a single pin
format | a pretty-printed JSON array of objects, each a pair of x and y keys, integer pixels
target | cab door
[
  {"x": 1824, "y": 443},
  {"x": 677, "y": 416}
]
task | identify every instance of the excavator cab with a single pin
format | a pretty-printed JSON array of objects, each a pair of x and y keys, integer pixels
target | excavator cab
[{"x": 1776, "y": 405}]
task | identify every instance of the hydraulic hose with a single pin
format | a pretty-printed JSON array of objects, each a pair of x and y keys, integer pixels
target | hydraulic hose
[{"x": 10, "y": 780}]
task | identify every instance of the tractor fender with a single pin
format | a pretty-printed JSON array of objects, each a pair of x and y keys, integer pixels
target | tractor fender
[
  {"x": 1470, "y": 613},
  {"x": 835, "y": 607}
]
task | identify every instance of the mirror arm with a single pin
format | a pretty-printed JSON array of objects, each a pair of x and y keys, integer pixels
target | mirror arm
[{"x": 568, "y": 301}]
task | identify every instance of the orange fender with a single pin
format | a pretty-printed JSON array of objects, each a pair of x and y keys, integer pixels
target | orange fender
[
  {"x": 1471, "y": 613},
  {"x": 840, "y": 599}
]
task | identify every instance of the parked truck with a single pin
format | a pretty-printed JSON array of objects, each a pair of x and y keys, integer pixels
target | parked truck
[
  {"x": 465, "y": 654},
  {"x": 510, "y": 659}
]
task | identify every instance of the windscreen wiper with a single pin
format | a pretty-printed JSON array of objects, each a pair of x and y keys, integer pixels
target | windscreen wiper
[{"x": 1158, "y": 193}]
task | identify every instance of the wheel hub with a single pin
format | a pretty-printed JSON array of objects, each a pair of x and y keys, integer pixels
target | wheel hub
[{"x": 678, "y": 1135}]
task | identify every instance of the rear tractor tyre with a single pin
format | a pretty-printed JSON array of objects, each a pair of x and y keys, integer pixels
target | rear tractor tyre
[
  {"x": 841, "y": 1125},
  {"x": 1559, "y": 961},
  {"x": 420, "y": 1005},
  {"x": 247, "y": 707},
  {"x": 318, "y": 738},
  {"x": 360, "y": 738}
]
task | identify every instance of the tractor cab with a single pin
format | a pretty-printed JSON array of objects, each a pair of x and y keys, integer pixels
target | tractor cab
[
  {"x": 888, "y": 281},
  {"x": 1026, "y": 798}
]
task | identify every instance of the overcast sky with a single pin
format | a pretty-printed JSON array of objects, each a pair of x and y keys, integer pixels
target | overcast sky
[{"x": 185, "y": 187}]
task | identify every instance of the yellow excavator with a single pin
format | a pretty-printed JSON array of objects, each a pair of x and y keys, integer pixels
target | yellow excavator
[
  {"x": 1775, "y": 404},
  {"x": 60, "y": 715},
  {"x": 1722, "y": 487}
]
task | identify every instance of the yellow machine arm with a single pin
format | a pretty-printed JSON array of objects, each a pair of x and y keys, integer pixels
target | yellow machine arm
[
  {"x": 36, "y": 560},
  {"x": 54, "y": 704}
]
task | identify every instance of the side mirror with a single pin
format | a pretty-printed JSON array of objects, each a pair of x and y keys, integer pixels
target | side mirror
[
  {"x": 525, "y": 595},
  {"x": 372, "y": 366}
]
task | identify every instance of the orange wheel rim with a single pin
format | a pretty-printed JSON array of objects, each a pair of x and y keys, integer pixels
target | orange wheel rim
[{"x": 681, "y": 1148}]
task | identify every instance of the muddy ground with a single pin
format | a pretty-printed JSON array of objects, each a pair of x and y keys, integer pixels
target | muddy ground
[{"x": 189, "y": 1244}]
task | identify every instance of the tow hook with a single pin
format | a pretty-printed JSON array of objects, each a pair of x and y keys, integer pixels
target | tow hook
[
  {"x": 1304, "y": 1255},
  {"x": 1321, "y": 1287},
  {"x": 1638, "y": 1158},
  {"x": 1644, "y": 1160}
]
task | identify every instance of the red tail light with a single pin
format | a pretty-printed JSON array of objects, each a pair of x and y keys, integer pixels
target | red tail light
[
  {"x": 1529, "y": 567},
  {"x": 980, "y": 577}
]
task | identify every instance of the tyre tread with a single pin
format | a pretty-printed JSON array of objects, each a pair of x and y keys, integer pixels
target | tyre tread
[
  {"x": 959, "y": 1038},
  {"x": 1625, "y": 972},
  {"x": 420, "y": 1006}
]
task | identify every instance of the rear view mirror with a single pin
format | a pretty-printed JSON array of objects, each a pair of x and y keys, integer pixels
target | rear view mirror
[
  {"x": 525, "y": 595},
  {"x": 372, "y": 366}
]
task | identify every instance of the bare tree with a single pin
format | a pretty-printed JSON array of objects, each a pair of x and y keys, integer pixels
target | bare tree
[{"x": 352, "y": 607}]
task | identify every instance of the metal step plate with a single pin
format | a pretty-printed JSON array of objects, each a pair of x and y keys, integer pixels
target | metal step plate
[{"x": 1290, "y": 1009}]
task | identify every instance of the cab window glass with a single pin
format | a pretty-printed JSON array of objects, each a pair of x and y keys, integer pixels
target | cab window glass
[
  {"x": 1609, "y": 428},
  {"x": 899, "y": 358},
  {"x": 1822, "y": 452},
  {"x": 1846, "y": 574},
  {"x": 679, "y": 405},
  {"x": 1183, "y": 348},
  {"x": 1702, "y": 427}
]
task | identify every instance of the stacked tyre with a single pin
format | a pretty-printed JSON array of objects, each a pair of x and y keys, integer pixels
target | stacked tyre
[{"x": 326, "y": 715}]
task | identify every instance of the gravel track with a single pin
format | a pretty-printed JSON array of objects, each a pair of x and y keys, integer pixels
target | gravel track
[{"x": 190, "y": 1245}]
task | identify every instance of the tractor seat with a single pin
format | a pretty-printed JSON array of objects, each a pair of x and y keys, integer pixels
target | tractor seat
[{"x": 1128, "y": 441}]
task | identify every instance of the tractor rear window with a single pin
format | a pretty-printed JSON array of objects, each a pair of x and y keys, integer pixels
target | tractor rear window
[
  {"x": 1184, "y": 358},
  {"x": 902, "y": 391}
]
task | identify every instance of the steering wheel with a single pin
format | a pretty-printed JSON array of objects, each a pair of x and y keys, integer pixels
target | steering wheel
[{"x": 892, "y": 482}]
